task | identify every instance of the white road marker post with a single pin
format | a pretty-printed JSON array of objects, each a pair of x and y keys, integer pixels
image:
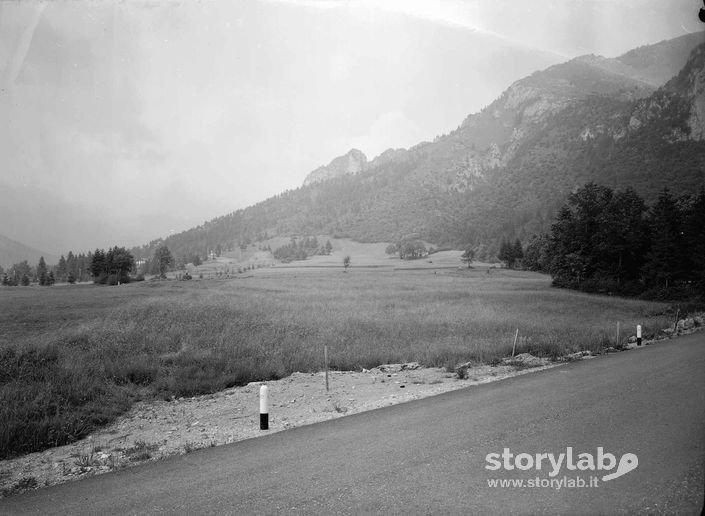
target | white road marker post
[
  {"x": 514, "y": 347},
  {"x": 638, "y": 334},
  {"x": 264, "y": 408}
]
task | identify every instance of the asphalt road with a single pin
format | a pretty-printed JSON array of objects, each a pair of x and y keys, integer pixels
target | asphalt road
[{"x": 429, "y": 456}]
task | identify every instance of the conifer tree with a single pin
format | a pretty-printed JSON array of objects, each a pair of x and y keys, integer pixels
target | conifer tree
[
  {"x": 664, "y": 263},
  {"x": 62, "y": 269},
  {"x": 42, "y": 271}
]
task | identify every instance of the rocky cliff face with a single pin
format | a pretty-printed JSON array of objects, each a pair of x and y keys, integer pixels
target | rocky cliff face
[
  {"x": 676, "y": 112},
  {"x": 690, "y": 84},
  {"x": 499, "y": 132},
  {"x": 491, "y": 139},
  {"x": 353, "y": 162}
]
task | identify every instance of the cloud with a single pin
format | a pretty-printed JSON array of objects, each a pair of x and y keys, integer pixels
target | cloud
[
  {"x": 22, "y": 43},
  {"x": 314, "y": 4}
]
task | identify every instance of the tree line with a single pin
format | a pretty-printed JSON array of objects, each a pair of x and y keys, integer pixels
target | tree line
[
  {"x": 610, "y": 241},
  {"x": 113, "y": 266},
  {"x": 301, "y": 249},
  {"x": 70, "y": 269}
]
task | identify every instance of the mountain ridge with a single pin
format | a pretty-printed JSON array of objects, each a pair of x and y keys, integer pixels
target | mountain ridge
[
  {"x": 633, "y": 75},
  {"x": 504, "y": 171},
  {"x": 12, "y": 252}
]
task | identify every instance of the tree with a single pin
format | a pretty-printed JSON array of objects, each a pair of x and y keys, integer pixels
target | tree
[
  {"x": 71, "y": 278},
  {"x": 506, "y": 254},
  {"x": 50, "y": 279},
  {"x": 346, "y": 262},
  {"x": 574, "y": 236},
  {"x": 62, "y": 268},
  {"x": 98, "y": 266},
  {"x": 694, "y": 234},
  {"x": 329, "y": 247},
  {"x": 290, "y": 252},
  {"x": 622, "y": 238},
  {"x": 664, "y": 263},
  {"x": 411, "y": 249},
  {"x": 468, "y": 255},
  {"x": 25, "y": 280},
  {"x": 18, "y": 271},
  {"x": 607, "y": 241},
  {"x": 163, "y": 260},
  {"x": 42, "y": 271},
  {"x": 517, "y": 251},
  {"x": 71, "y": 265},
  {"x": 5, "y": 279},
  {"x": 536, "y": 254},
  {"x": 391, "y": 249},
  {"x": 112, "y": 267},
  {"x": 119, "y": 263}
]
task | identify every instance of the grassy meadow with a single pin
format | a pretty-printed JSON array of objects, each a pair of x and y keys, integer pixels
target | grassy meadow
[{"x": 74, "y": 357}]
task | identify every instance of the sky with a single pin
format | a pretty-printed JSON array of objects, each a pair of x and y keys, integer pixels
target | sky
[{"x": 124, "y": 121}]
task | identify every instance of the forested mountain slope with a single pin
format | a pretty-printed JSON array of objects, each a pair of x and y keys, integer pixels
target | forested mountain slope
[{"x": 637, "y": 120}]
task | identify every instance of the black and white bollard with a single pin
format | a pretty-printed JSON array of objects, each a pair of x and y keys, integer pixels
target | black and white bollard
[
  {"x": 638, "y": 334},
  {"x": 264, "y": 408}
]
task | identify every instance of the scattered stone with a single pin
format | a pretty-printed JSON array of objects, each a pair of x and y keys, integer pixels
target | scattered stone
[
  {"x": 578, "y": 355},
  {"x": 395, "y": 368},
  {"x": 632, "y": 339},
  {"x": 525, "y": 360},
  {"x": 686, "y": 324}
]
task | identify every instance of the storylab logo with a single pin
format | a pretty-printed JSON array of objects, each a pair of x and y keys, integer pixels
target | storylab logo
[{"x": 599, "y": 466}]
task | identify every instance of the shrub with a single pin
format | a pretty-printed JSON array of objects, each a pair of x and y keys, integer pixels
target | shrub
[{"x": 461, "y": 372}]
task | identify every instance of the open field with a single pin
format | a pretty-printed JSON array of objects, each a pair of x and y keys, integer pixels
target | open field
[
  {"x": 364, "y": 255},
  {"x": 74, "y": 357}
]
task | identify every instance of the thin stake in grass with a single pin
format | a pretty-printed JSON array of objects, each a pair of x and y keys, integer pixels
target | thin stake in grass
[
  {"x": 325, "y": 360},
  {"x": 675, "y": 324},
  {"x": 514, "y": 346},
  {"x": 616, "y": 344}
]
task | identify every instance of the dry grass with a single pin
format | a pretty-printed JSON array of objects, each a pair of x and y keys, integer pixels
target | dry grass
[{"x": 73, "y": 358}]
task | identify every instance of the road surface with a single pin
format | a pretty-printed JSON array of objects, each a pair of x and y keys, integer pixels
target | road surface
[{"x": 430, "y": 456}]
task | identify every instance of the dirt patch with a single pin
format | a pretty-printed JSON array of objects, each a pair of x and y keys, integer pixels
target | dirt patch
[{"x": 157, "y": 429}]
